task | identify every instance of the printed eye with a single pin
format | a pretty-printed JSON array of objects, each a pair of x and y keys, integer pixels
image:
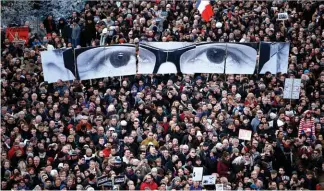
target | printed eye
[
  {"x": 241, "y": 59},
  {"x": 146, "y": 61},
  {"x": 119, "y": 58},
  {"x": 212, "y": 57},
  {"x": 215, "y": 55},
  {"x": 205, "y": 58},
  {"x": 106, "y": 61}
]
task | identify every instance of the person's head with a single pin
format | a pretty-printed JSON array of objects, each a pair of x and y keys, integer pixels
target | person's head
[{"x": 148, "y": 178}]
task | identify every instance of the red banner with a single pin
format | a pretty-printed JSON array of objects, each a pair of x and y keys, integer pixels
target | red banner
[{"x": 17, "y": 33}]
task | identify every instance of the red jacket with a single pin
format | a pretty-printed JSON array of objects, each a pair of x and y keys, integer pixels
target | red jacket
[
  {"x": 106, "y": 152},
  {"x": 12, "y": 152},
  {"x": 222, "y": 169},
  {"x": 152, "y": 185}
]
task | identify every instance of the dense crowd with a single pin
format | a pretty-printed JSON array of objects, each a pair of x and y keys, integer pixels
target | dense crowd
[{"x": 154, "y": 129}]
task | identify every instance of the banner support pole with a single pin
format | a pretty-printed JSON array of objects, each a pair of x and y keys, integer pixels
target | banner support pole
[
  {"x": 225, "y": 63},
  {"x": 292, "y": 87},
  {"x": 258, "y": 61}
]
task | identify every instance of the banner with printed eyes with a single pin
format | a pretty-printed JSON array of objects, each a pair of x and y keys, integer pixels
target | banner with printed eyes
[
  {"x": 208, "y": 58},
  {"x": 241, "y": 58},
  {"x": 190, "y": 58},
  {"x": 273, "y": 57},
  {"x": 57, "y": 65},
  {"x": 228, "y": 58},
  {"x": 165, "y": 57},
  {"x": 100, "y": 62}
]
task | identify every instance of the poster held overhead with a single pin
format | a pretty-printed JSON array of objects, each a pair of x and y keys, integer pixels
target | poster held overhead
[
  {"x": 102, "y": 180},
  {"x": 292, "y": 88},
  {"x": 209, "y": 180},
  {"x": 119, "y": 180},
  {"x": 197, "y": 173},
  {"x": 282, "y": 16},
  {"x": 17, "y": 33},
  {"x": 245, "y": 134},
  {"x": 219, "y": 187}
]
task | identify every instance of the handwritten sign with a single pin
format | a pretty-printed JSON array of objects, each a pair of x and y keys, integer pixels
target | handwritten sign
[
  {"x": 245, "y": 134},
  {"x": 292, "y": 88}
]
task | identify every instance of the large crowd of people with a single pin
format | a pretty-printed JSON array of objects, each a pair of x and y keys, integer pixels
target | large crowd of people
[{"x": 155, "y": 129}]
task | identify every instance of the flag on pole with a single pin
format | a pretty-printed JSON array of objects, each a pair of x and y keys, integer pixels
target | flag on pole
[{"x": 205, "y": 9}]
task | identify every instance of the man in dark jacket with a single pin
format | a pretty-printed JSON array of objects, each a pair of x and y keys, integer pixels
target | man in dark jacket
[
  {"x": 89, "y": 31},
  {"x": 49, "y": 24}
]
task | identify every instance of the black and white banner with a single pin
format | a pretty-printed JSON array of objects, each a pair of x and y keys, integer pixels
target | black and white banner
[
  {"x": 274, "y": 57},
  {"x": 164, "y": 58},
  {"x": 99, "y": 62},
  {"x": 190, "y": 58},
  {"x": 57, "y": 65}
]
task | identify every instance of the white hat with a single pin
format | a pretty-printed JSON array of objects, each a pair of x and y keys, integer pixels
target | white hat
[
  {"x": 60, "y": 165},
  {"x": 54, "y": 172},
  {"x": 90, "y": 189},
  {"x": 105, "y": 30},
  {"x": 198, "y": 134},
  {"x": 272, "y": 115},
  {"x": 123, "y": 123},
  {"x": 111, "y": 129},
  {"x": 280, "y": 123},
  {"x": 85, "y": 117},
  {"x": 37, "y": 187},
  {"x": 22, "y": 144},
  {"x": 219, "y": 145},
  {"x": 238, "y": 95},
  {"x": 219, "y": 25}
]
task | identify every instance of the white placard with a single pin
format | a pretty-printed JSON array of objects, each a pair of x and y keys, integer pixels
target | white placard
[
  {"x": 209, "y": 180},
  {"x": 292, "y": 88},
  {"x": 282, "y": 16},
  {"x": 245, "y": 134},
  {"x": 197, "y": 173},
  {"x": 220, "y": 187}
]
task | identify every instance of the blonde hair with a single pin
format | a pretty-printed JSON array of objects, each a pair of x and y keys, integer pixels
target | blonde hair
[
  {"x": 22, "y": 166},
  {"x": 111, "y": 107}
]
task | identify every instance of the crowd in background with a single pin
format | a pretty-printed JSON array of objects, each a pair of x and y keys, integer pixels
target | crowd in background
[{"x": 154, "y": 129}]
